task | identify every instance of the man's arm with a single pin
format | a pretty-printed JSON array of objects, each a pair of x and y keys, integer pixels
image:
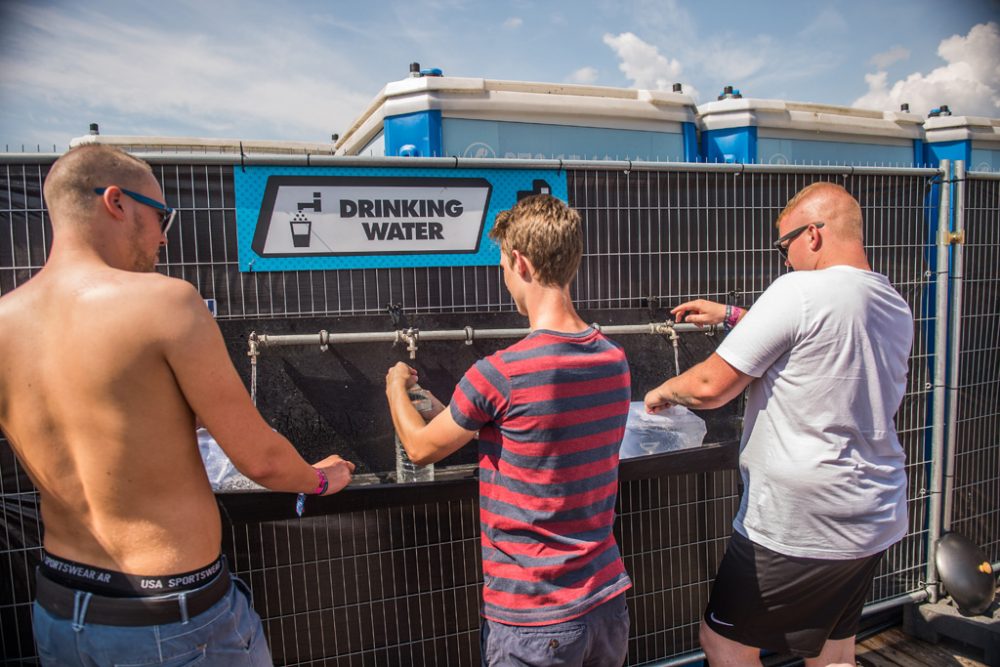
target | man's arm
[
  {"x": 710, "y": 384},
  {"x": 197, "y": 355},
  {"x": 424, "y": 442},
  {"x": 703, "y": 312}
]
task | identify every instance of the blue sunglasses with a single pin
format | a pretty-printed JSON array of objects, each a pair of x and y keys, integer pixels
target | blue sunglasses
[{"x": 167, "y": 214}]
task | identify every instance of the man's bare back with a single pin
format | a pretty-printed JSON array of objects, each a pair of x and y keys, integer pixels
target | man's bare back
[{"x": 103, "y": 367}]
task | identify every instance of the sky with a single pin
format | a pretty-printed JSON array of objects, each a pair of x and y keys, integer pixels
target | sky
[{"x": 300, "y": 71}]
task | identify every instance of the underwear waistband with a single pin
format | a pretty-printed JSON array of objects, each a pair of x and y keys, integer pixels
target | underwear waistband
[{"x": 118, "y": 584}]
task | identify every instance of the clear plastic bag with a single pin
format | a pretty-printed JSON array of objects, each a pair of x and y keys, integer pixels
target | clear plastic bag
[
  {"x": 669, "y": 430},
  {"x": 222, "y": 474}
]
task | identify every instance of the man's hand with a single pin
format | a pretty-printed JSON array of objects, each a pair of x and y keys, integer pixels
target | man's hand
[
  {"x": 338, "y": 472},
  {"x": 655, "y": 402},
  {"x": 700, "y": 312},
  {"x": 400, "y": 373}
]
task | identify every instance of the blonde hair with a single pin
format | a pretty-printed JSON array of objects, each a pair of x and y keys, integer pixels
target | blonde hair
[
  {"x": 547, "y": 232},
  {"x": 842, "y": 212},
  {"x": 70, "y": 184}
]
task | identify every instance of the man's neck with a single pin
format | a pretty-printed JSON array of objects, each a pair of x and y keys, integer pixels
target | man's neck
[{"x": 552, "y": 308}]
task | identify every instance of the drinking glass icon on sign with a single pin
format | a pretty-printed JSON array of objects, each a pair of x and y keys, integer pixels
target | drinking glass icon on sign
[{"x": 301, "y": 225}]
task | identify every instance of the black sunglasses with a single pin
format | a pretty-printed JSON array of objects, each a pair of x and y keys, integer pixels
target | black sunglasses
[
  {"x": 784, "y": 241},
  {"x": 167, "y": 214}
]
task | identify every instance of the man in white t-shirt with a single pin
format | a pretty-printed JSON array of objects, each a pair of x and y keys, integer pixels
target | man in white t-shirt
[{"x": 824, "y": 352}]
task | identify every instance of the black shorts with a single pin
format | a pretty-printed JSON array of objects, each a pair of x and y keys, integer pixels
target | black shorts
[{"x": 787, "y": 604}]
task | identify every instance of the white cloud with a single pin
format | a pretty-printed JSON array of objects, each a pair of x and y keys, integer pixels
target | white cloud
[
  {"x": 969, "y": 83},
  {"x": 583, "y": 75},
  {"x": 828, "y": 21},
  {"x": 192, "y": 80},
  {"x": 513, "y": 22},
  {"x": 886, "y": 58},
  {"x": 642, "y": 62}
]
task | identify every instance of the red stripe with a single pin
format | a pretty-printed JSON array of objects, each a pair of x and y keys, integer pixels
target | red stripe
[
  {"x": 543, "y": 572},
  {"x": 542, "y": 529},
  {"x": 567, "y": 446},
  {"x": 557, "y": 475},
  {"x": 557, "y": 420},
  {"x": 529, "y": 365},
  {"x": 560, "y": 390},
  {"x": 547, "y": 505},
  {"x": 486, "y": 389},
  {"x": 558, "y": 597},
  {"x": 546, "y": 550}
]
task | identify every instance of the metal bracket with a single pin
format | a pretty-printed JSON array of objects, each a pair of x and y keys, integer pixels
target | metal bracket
[
  {"x": 395, "y": 311},
  {"x": 952, "y": 238}
]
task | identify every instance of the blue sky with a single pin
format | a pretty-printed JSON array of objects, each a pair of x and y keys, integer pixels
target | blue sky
[{"x": 303, "y": 70}]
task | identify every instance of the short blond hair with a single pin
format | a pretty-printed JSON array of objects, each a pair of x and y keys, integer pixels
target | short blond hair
[
  {"x": 547, "y": 232},
  {"x": 843, "y": 216},
  {"x": 70, "y": 184}
]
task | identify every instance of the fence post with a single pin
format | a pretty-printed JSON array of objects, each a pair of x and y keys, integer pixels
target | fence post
[
  {"x": 942, "y": 239},
  {"x": 957, "y": 240}
]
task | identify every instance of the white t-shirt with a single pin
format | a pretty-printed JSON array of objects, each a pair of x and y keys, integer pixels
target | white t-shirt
[{"x": 821, "y": 464}]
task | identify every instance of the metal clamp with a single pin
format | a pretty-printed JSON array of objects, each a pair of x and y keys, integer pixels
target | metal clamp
[{"x": 324, "y": 340}]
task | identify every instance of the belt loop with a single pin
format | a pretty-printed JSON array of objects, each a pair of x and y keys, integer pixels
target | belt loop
[
  {"x": 80, "y": 609},
  {"x": 182, "y": 600}
]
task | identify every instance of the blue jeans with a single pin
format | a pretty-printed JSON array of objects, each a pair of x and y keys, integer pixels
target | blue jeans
[
  {"x": 227, "y": 633},
  {"x": 599, "y": 638}
]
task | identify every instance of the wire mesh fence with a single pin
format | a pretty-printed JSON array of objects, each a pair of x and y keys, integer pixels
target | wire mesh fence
[
  {"x": 400, "y": 584},
  {"x": 976, "y": 488}
]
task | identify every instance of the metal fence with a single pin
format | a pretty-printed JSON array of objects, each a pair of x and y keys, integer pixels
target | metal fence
[{"x": 384, "y": 583}]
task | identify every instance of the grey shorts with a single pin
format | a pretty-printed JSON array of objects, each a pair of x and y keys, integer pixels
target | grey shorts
[
  {"x": 599, "y": 638},
  {"x": 787, "y": 604}
]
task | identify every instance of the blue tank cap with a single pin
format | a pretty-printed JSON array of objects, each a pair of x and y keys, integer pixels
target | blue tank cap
[
  {"x": 432, "y": 71},
  {"x": 729, "y": 93}
]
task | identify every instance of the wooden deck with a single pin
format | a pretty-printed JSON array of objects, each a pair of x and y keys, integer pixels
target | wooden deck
[{"x": 894, "y": 648}]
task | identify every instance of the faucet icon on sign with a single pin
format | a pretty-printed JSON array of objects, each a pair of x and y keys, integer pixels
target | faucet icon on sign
[
  {"x": 538, "y": 187},
  {"x": 301, "y": 225}
]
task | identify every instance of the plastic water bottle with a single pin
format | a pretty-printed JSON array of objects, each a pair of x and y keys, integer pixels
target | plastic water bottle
[{"x": 406, "y": 470}]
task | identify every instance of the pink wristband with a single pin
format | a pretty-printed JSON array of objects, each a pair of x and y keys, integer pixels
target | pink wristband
[
  {"x": 733, "y": 316},
  {"x": 323, "y": 482}
]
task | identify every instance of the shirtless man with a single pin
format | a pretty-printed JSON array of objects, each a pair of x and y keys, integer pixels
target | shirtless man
[{"x": 103, "y": 366}]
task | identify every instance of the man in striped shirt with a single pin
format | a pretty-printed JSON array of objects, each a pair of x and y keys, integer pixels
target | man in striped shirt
[{"x": 551, "y": 412}]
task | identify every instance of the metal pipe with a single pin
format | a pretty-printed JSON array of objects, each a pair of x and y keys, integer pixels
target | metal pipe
[
  {"x": 468, "y": 334},
  {"x": 957, "y": 239},
  {"x": 940, "y": 368},
  {"x": 327, "y": 160},
  {"x": 892, "y": 603}
]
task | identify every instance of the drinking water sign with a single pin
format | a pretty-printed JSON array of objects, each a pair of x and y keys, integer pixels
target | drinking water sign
[{"x": 309, "y": 218}]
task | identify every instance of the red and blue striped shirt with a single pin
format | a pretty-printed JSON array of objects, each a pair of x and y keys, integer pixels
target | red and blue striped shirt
[{"x": 551, "y": 412}]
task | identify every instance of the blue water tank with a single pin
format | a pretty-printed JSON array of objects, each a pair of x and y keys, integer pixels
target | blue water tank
[
  {"x": 974, "y": 139},
  {"x": 483, "y": 118},
  {"x": 748, "y": 130}
]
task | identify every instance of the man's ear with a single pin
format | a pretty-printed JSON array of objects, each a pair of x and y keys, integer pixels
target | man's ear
[
  {"x": 522, "y": 265},
  {"x": 112, "y": 201},
  {"x": 815, "y": 239}
]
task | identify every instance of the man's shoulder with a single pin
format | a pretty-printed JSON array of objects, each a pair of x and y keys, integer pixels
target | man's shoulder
[{"x": 154, "y": 290}]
